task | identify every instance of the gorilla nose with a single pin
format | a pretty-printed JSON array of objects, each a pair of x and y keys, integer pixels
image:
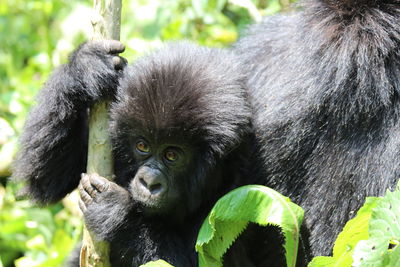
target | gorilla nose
[{"x": 152, "y": 184}]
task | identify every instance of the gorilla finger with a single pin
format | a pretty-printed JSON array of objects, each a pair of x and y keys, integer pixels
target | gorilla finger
[
  {"x": 84, "y": 195},
  {"x": 113, "y": 46},
  {"x": 100, "y": 183},
  {"x": 119, "y": 62},
  {"x": 82, "y": 206},
  {"x": 107, "y": 46},
  {"x": 87, "y": 186}
]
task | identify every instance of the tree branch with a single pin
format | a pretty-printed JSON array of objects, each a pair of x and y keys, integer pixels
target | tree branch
[{"x": 106, "y": 24}]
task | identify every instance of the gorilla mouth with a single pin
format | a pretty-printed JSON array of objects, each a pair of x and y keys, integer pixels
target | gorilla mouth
[{"x": 150, "y": 202}]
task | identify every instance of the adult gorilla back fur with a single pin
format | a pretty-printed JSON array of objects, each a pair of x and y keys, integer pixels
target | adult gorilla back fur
[{"x": 325, "y": 84}]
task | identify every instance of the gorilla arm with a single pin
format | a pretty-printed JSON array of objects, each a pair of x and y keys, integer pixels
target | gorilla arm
[{"x": 53, "y": 143}]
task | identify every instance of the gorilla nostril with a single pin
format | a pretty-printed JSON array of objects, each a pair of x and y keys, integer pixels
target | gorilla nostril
[
  {"x": 143, "y": 182},
  {"x": 155, "y": 188},
  {"x": 152, "y": 186}
]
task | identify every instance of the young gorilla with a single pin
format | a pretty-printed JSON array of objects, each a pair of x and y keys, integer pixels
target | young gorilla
[
  {"x": 179, "y": 130},
  {"x": 325, "y": 89}
]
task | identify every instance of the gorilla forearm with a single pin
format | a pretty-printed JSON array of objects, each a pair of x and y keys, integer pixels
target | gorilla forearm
[{"x": 54, "y": 141}]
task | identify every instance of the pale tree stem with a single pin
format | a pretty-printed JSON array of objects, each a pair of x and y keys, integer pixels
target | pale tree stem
[{"x": 106, "y": 25}]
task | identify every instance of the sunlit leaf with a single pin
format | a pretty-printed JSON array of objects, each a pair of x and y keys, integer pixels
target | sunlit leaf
[
  {"x": 355, "y": 230},
  {"x": 381, "y": 249},
  {"x": 232, "y": 213}
]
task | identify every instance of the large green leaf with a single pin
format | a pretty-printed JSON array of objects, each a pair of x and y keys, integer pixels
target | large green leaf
[
  {"x": 355, "y": 230},
  {"x": 232, "y": 213},
  {"x": 370, "y": 239},
  {"x": 381, "y": 249}
]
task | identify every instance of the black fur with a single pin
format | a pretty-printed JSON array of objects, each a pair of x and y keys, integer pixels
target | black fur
[
  {"x": 324, "y": 86},
  {"x": 180, "y": 94},
  {"x": 53, "y": 150}
]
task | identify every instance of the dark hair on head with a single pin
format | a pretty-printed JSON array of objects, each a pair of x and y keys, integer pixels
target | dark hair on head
[{"x": 185, "y": 90}]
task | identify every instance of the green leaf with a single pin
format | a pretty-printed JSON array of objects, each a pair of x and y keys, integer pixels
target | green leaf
[
  {"x": 384, "y": 232},
  {"x": 394, "y": 257},
  {"x": 232, "y": 213},
  {"x": 199, "y": 7},
  {"x": 159, "y": 263},
  {"x": 355, "y": 230}
]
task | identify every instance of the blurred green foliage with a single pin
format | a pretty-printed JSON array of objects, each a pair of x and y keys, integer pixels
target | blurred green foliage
[
  {"x": 35, "y": 37},
  {"x": 33, "y": 236}
]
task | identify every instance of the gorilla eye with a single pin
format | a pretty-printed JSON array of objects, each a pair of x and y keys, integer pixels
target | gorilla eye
[
  {"x": 142, "y": 147},
  {"x": 171, "y": 155}
]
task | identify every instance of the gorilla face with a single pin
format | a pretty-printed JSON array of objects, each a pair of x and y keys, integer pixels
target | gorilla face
[
  {"x": 179, "y": 114},
  {"x": 161, "y": 173}
]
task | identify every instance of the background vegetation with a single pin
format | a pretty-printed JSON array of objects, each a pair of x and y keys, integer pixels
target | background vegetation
[{"x": 35, "y": 37}]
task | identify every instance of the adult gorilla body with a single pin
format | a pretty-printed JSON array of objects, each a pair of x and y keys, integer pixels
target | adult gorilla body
[
  {"x": 325, "y": 88},
  {"x": 179, "y": 127}
]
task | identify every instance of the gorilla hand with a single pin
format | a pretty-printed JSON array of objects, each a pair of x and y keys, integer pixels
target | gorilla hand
[
  {"x": 97, "y": 66},
  {"x": 103, "y": 203}
]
